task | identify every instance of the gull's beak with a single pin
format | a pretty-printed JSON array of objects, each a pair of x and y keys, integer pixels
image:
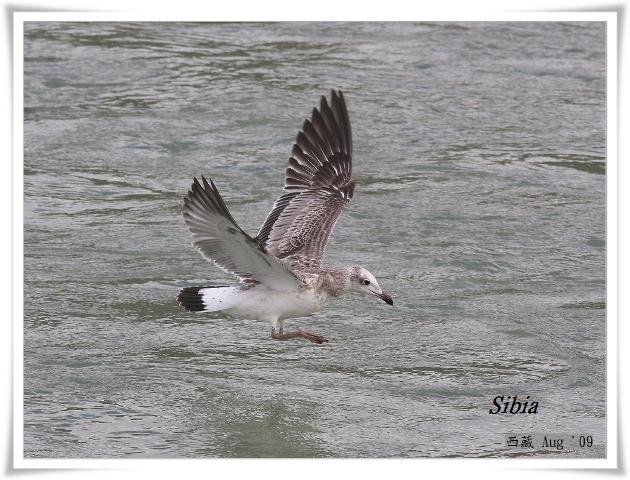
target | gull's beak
[{"x": 386, "y": 298}]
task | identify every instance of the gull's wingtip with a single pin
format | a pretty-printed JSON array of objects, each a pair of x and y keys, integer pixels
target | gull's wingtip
[
  {"x": 203, "y": 184},
  {"x": 206, "y": 185},
  {"x": 214, "y": 187},
  {"x": 196, "y": 182},
  {"x": 336, "y": 93}
]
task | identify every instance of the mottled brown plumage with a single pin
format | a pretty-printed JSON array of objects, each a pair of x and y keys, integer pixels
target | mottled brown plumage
[{"x": 318, "y": 184}]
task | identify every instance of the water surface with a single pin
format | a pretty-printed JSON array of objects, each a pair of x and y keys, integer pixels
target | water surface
[{"x": 479, "y": 159}]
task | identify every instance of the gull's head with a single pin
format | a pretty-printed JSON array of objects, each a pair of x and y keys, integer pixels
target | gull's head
[{"x": 364, "y": 282}]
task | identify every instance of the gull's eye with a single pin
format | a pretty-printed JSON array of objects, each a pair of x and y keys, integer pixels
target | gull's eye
[{"x": 365, "y": 282}]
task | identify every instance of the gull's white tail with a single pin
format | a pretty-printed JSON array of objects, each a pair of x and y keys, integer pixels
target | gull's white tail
[{"x": 208, "y": 299}]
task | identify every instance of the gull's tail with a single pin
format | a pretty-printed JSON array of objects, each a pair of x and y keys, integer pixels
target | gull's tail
[{"x": 208, "y": 299}]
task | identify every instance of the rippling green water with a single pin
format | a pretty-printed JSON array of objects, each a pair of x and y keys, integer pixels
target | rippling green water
[{"x": 479, "y": 160}]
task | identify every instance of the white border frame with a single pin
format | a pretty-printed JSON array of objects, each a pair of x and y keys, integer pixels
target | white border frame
[{"x": 323, "y": 466}]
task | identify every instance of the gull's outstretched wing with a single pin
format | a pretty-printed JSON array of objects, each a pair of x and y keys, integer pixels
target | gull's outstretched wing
[
  {"x": 318, "y": 183},
  {"x": 221, "y": 240}
]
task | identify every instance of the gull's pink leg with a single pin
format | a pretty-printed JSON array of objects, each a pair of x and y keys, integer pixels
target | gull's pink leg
[{"x": 279, "y": 335}]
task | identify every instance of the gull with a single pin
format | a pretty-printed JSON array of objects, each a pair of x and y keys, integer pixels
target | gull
[{"x": 280, "y": 270}]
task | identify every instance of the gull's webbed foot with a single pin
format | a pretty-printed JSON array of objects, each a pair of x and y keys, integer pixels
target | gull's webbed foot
[
  {"x": 279, "y": 335},
  {"x": 312, "y": 337}
]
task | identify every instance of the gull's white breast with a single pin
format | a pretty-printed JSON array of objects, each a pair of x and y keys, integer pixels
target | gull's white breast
[{"x": 263, "y": 303}]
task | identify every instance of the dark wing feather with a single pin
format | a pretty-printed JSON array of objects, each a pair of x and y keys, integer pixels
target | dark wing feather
[
  {"x": 220, "y": 240},
  {"x": 318, "y": 183}
]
